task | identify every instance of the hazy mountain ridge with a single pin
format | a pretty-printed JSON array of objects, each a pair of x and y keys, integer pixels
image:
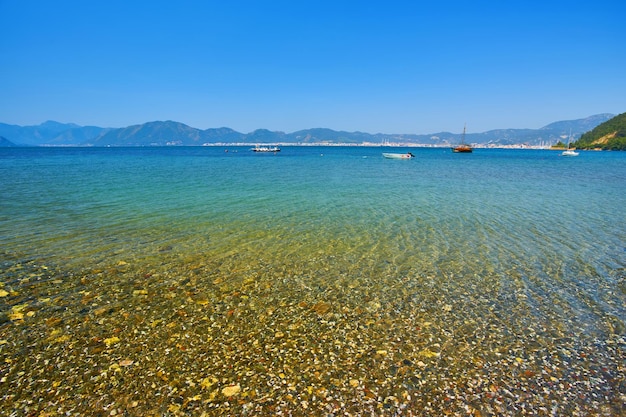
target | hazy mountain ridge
[
  {"x": 49, "y": 133},
  {"x": 5, "y": 143},
  {"x": 171, "y": 133},
  {"x": 150, "y": 134}
]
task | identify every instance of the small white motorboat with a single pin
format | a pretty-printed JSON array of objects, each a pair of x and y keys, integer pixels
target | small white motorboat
[
  {"x": 407, "y": 155},
  {"x": 258, "y": 148}
]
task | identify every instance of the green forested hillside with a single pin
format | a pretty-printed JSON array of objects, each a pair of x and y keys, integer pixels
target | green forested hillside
[{"x": 610, "y": 135}]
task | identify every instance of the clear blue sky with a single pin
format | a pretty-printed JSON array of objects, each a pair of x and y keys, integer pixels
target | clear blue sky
[{"x": 373, "y": 66}]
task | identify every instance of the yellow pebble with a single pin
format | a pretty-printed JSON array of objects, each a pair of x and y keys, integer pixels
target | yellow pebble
[
  {"x": 111, "y": 340},
  {"x": 231, "y": 390}
]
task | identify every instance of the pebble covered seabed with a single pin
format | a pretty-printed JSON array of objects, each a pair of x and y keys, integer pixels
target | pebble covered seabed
[
  {"x": 148, "y": 283},
  {"x": 190, "y": 335}
]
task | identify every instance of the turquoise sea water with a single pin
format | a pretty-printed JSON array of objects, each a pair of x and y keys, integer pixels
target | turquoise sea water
[{"x": 316, "y": 280}]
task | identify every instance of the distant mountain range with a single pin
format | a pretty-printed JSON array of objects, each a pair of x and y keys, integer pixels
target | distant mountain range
[{"x": 170, "y": 133}]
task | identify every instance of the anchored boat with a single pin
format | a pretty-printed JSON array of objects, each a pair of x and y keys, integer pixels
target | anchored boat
[
  {"x": 258, "y": 148},
  {"x": 569, "y": 151},
  {"x": 463, "y": 147},
  {"x": 407, "y": 155}
]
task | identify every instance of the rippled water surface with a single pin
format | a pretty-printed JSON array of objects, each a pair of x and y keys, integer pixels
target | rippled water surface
[{"x": 315, "y": 281}]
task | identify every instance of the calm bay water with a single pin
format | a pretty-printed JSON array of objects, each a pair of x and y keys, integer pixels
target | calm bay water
[{"x": 320, "y": 280}]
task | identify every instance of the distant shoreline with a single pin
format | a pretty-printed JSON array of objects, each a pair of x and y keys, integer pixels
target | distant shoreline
[{"x": 311, "y": 145}]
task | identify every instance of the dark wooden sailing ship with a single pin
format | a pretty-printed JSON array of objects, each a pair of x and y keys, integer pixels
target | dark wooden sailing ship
[{"x": 463, "y": 147}]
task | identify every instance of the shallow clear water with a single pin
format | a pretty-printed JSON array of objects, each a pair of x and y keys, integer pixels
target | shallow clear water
[{"x": 317, "y": 280}]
